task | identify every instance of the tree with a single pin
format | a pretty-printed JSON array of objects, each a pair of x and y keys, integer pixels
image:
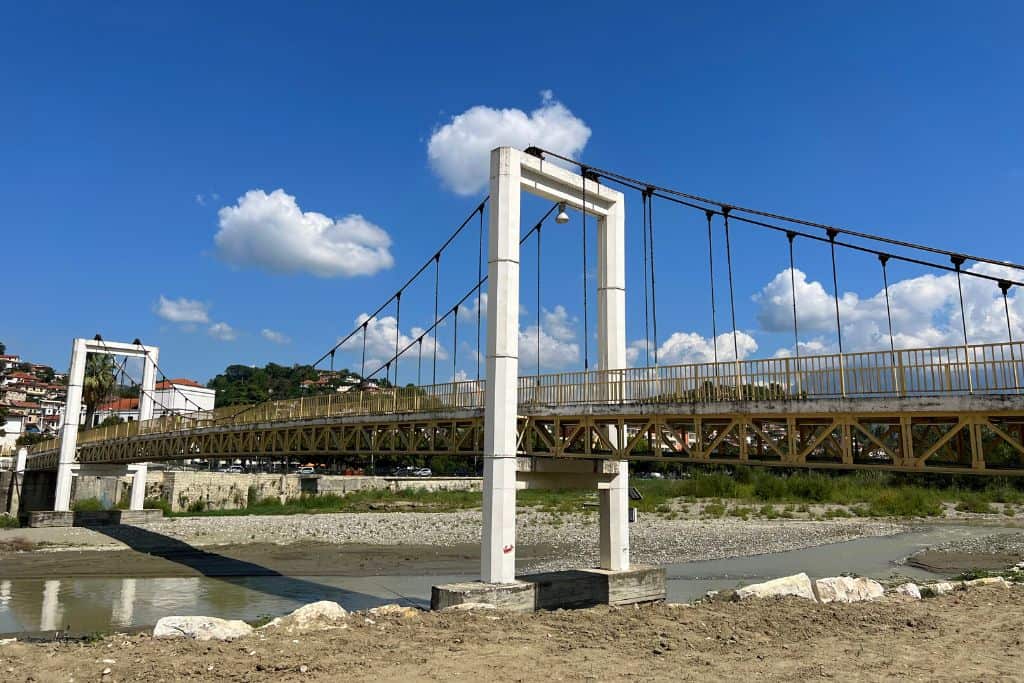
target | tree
[
  {"x": 3, "y": 417},
  {"x": 3, "y": 348},
  {"x": 111, "y": 420},
  {"x": 30, "y": 438},
  {"x": 98, "y": 383}
]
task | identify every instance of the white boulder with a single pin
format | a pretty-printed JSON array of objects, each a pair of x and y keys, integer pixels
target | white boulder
[
  {"x": 847, "y": 589},
  {"x": 201, "y": 628},
  {"x": 987, "y": 581},
  {"x": 798, "y": 585},
  {"x": 316, "y": 615},
  {"x": 907, "y": 590},
  {"x": 944, "y": 587}
]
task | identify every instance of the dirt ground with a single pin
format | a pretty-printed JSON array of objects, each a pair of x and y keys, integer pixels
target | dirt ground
[{"x": 968, "y": 636}]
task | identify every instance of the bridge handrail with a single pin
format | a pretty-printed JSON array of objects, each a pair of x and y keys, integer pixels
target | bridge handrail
[{"x": 978, "y": 368}]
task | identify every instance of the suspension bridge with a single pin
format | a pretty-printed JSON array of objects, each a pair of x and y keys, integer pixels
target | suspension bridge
[{"x": 952, "y": 408}]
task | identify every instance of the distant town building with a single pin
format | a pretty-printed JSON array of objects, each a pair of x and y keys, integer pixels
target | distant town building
[{"x": 173, "y": 396}]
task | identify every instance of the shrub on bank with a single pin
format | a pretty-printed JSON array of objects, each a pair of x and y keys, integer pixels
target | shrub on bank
[{"x": 89, "y": 505}]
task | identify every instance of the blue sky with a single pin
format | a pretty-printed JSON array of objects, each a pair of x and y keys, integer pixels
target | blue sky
[{"x": 125, "y": 130}]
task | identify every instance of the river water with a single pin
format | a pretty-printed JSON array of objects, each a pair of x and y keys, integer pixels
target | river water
[{"x": 87, "y": 605}]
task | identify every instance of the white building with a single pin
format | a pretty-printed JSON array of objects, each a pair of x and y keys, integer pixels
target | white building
[
  {"x": 170, "y": 397},
  {"x": 13, "y": 427}
]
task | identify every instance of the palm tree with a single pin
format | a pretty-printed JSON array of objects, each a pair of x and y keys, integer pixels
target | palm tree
[{"x": 98, "y": 383}]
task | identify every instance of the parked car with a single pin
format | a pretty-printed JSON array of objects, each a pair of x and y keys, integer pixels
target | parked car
[
  {"x": 235, "y": 469},
  {"x": 423, "y": 472},
  {"x": 306, "y": 470}
]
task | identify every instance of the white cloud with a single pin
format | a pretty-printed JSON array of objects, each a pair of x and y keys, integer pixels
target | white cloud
[
  {"x": 459, "y": 151},
  {"x": 182, "y": 310},
  {"x": 925, "y": 312},
  {"x": 380, "y": 343},
  {"x": 203, "y": 199},
  {"x": 558, "y": 323},
  {"x": 557, "y": 346},
  {"x": 690, "y": 347},
  {"x": 270, "y": 231},
  {"x": 275, "y": 336},
  {"x": 222, "y": 331}
]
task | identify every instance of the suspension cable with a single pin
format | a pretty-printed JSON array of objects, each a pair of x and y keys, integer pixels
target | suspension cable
[
  {"x": 419, "y": 363},
  {"x": 465, "y": 297},
  {"x": 479, "y": 291},
  {"x": 1004, "y": 286},
  {"x": 732, "y": 298},
  {"x": 792, "y": 290},
  {"x": 538, "y": 302},
  {"x": 586, "y": 324},
  {"x": 884, "y": 260},
  {"x": 362, "y": 365},
  {"x": 654, "y": 296},
  {"x": 711, "y": 280},
  {"x": 626, "y": 180},
  {"x": 455, "y": 342},
  {"x": 647, "y": 334},
  {"x": 437, "y": 281},
  {"x": 958, "y": 261},
  {"x": 398, "y": 330},
  {"x": 426, "y": 264},
  {"x": 839, "y": 326}
]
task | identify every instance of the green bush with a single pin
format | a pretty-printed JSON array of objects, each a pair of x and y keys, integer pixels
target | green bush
[
  {"x": 906, "y": 501},
  {"x": 88, "y": 505},
  {"x": 157, "y": 504},
  {"x": 974, "y": 502},
  {"x": 8, "y": 522}
]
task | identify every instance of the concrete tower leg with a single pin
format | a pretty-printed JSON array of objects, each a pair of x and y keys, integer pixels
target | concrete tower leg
[
  {"x": 611, "y": 339},
  {"x": 69, "y": 434},
  {"x": 498, "y": 542},
  {"x": 149, "y": 363}
]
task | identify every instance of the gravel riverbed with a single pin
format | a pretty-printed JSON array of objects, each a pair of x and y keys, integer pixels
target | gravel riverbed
[{"x": 573, "y": 537}]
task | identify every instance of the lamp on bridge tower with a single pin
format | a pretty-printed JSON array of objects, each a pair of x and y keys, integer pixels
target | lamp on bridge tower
[{"x": 562, "y": 218}]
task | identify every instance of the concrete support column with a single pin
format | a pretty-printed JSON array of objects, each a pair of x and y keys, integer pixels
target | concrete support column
[
  {"x": 149, "y": 363},
  {"x": 614, "y": 519},
  {"x": 69, "y": 433},
  {"x": 498, "y": 556},
  {"x": 17, "y": 481},
  {"x": 611, "y": 344},
  {"x": 138, "y": 497}
]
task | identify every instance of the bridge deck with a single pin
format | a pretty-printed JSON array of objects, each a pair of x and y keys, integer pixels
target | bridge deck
[{"x": 944, "y": 409}]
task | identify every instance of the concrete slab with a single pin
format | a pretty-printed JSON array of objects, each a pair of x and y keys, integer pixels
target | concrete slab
[
  {"x": 60, "y": 518},
  {"x": 575, "y": 588}
]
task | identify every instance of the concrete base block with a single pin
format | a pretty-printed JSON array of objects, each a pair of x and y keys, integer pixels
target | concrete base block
[
  {"x": 50, "y": 518},
  {"x": 554, "y": 590}
]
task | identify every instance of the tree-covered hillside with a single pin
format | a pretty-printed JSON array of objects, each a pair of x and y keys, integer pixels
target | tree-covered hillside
[{"x": 241, "y": 384}]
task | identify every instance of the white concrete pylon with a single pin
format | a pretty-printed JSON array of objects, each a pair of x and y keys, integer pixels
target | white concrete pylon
[
  {"x": 511, "y": 172},
  {"x": 80, "y": 349}
]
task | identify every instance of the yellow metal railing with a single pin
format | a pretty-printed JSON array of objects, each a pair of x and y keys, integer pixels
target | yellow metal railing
[{"x": 979, "y": 368}]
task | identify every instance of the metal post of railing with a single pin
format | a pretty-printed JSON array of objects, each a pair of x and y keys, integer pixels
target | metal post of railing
[{"x": 842, "y": 376}]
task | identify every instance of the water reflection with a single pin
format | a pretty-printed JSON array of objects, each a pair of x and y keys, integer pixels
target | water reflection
[{"x": 89, "y": 604}]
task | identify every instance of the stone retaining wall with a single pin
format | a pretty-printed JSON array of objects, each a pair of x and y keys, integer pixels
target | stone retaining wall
[{"x": 223, "y": 491}]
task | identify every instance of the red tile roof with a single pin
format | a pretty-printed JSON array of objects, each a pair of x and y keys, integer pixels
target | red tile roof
[
  {"x": 121, "y": 404},
  {"x": 181, "y": 382}
]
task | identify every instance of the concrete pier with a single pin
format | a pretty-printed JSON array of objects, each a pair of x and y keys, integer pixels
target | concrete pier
[{"x": 557, "y": 590}]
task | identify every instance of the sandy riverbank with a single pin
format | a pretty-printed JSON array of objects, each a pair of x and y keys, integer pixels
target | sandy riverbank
[{"x": 966, "y": 636}]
